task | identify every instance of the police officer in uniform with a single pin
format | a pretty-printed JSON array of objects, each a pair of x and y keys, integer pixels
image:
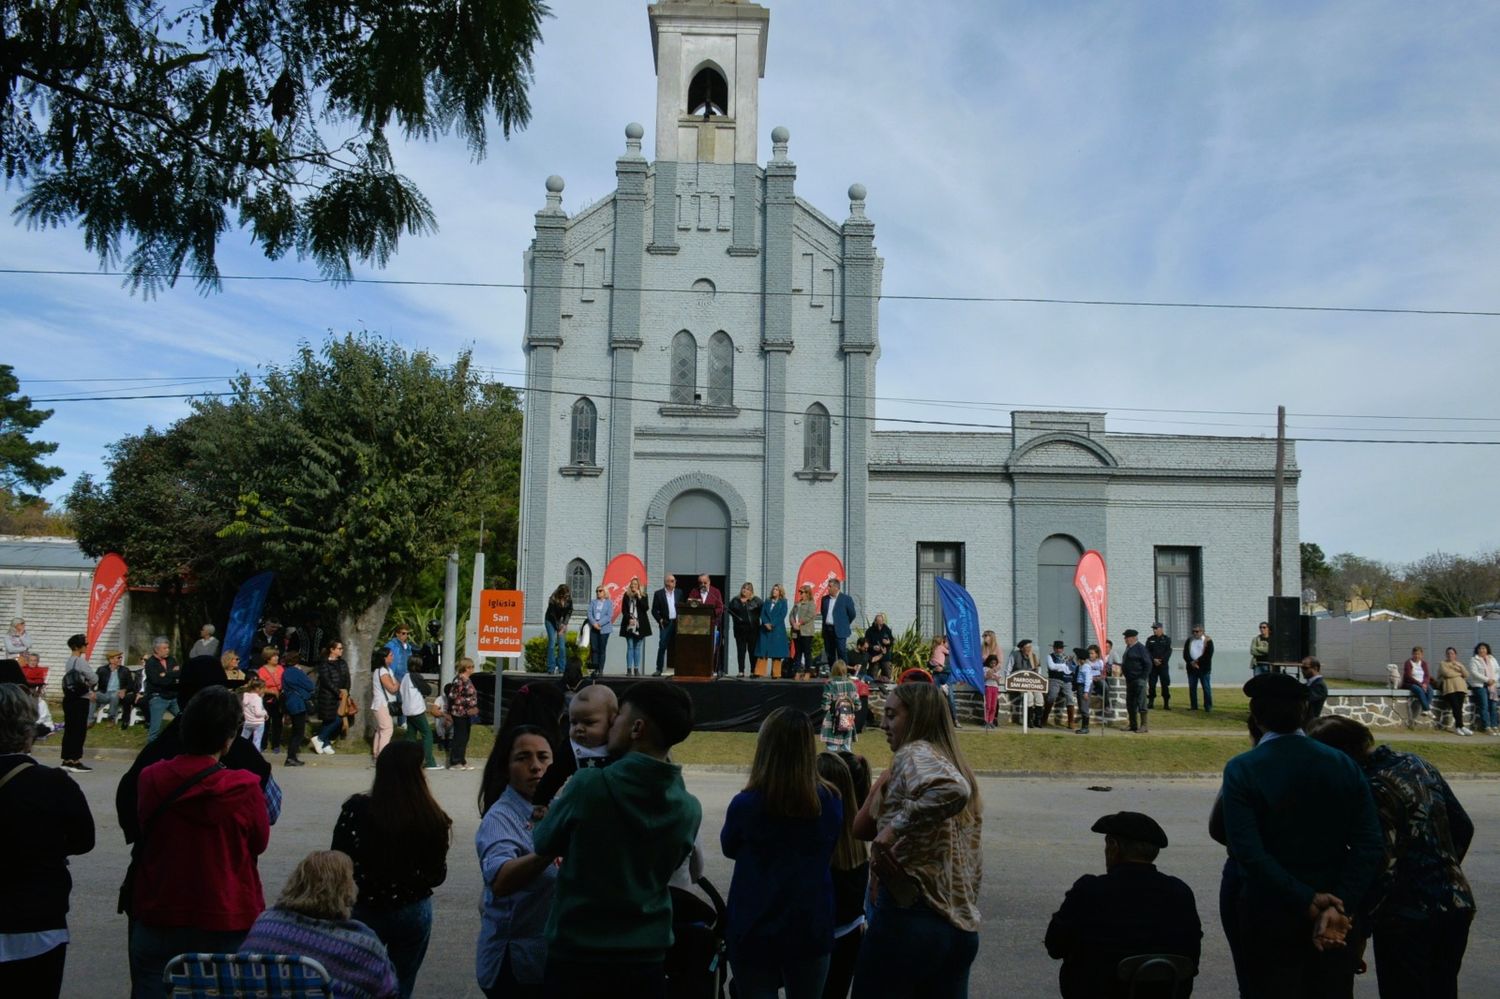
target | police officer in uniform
[
  {"x": 1160, "y": 647},
  {"x": 1130, "y": 909}
]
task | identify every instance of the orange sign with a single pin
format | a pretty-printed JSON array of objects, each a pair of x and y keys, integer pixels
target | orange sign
[{"x": 500, "y": 622}]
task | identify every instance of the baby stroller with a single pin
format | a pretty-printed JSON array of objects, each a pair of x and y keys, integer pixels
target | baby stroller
[{"x": 696, "y": 965}]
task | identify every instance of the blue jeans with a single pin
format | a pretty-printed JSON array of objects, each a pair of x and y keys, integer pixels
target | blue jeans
[
  {"x": 1484, "y": 708},
  {"x": 1256, "y": 669},
  {"x": 598, "y": 643},
  {"x": 155, "y": 708},
  {"x": 327, "y": 732},
  {"x": 1204, "y": 677},
  {"x": 557, "y": 648},
  {"x": 151, "y": 947},
  {"x": 886, "y": 966},
  {"x": 405, "y": 932},
  {"x": 635, "y": 651},
  {"x": 762, "y": 979},
  {"x": 1422, "y": 694}
]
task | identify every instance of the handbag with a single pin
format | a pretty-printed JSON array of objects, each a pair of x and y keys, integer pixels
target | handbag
[
  {"x": 583, "y": 636},
  {"x": 347, "y": 707}
]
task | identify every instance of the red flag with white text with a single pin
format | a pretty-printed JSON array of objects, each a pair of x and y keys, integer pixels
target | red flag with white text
[
  {"x": 617, "y": 576},
  {"x": 1093, "y": 586},
  {"x": 109, "y": 586},
  {"x": 817, "y": 569}
]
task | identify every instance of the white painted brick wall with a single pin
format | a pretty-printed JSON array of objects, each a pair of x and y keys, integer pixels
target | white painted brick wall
[{"x": 52, "y": 616}]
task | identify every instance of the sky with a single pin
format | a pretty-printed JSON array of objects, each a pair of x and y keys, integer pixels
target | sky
[{"x": 1274, "y": 153}]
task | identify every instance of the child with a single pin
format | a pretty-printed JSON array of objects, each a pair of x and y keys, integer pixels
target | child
[
  {"x": 992, "y": 691},
  {"x": 590, "y": 717},
  {"x": 255, "y": 710},
  {"x": 621, "y": 832}
]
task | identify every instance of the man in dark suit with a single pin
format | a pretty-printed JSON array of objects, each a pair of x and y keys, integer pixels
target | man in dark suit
[
  {"x": 1302, "y": 827},
  {"x": 706, "y": 594},
  {"x": 1198, "y": 658},
  {"x": 837, "y": 611},
  {"x": 1135, "y": 664},
  {"x": 1131, "y": 909},
  {"x": 1159, "y": 644},
  {"x": 664, "y": 613},
  {"x": 1317, "y": 687}
]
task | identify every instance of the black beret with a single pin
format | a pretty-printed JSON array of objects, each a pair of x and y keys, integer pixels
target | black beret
[
  {"x": 1132, "y": 633},
  {"x": 1277, "y": 686},
  {"x": 1134, "y": 826}
]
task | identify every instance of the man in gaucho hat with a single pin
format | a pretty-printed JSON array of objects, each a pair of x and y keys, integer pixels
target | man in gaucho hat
[{"x": 1131, "y": 909}]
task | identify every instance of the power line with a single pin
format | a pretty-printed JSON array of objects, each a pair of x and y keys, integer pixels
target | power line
[
  {"x": 953, "y": 424},
  {"x": 882, "y": 296},
  {"x": 1002, "y": 406}
]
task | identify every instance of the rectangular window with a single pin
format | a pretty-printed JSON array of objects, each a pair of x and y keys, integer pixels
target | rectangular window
[
  {"x": 935, "y": 559},
  {"x": 1179, "y": 590}
]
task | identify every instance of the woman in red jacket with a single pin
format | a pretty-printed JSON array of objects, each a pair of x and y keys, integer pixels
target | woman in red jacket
[
  {"x": 196, "y": 886},
  {"x": 1416, "y": 676}
]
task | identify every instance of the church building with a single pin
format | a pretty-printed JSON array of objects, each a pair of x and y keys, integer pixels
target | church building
[{"x": 701, "y": 353}]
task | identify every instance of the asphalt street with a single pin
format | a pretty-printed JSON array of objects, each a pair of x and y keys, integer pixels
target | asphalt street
[{"x": 1036, "y": 838}]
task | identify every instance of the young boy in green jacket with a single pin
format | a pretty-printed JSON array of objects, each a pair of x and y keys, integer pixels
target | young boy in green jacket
[{"x": 621, "y": 831}]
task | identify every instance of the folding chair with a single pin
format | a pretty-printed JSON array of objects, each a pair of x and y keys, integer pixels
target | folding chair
[
  {"x": 1155, "y": 976},
  {"x": 249, "y": 976}
]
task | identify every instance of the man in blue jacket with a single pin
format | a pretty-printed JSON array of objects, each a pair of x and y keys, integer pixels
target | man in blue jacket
[
  {"x": 837, "y": 612},
  {"x": 1302, "y": 827}
]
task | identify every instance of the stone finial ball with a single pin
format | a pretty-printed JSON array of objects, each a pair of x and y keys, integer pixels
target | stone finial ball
[
  {"x": 634, "y": 130},
  {"x": 780, "y": 134},
  {"x": 554, "y": 184},
  {"x": 857, "y": 192}
]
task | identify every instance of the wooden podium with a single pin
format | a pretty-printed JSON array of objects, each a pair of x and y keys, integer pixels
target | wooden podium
[{"x": 693, "y": 645}]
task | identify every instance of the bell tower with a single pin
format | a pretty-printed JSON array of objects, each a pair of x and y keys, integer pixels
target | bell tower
[{"x": 710, "y": 57}]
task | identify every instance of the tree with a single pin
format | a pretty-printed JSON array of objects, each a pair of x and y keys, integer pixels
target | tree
[
  {"x": 151, "y": 122},
  {"x": 1315, "y": 568},
  {"x": 1454, "y": 585},
  {"x": 360, "y": 465},
  {"x": 21, "y": 457},
  {"x": 32, "y": 516},
  {"x": 1353, "y": 579}
]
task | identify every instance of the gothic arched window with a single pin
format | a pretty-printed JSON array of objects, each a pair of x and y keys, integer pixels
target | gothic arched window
[
  {"x": 580, "y": 581},
  {"x": 708, "y": 94},
  {"x": 585, "y": 432},
  {"x": 721, "y": 370},
  {"x": 816, "y": 443},
  {"x": 684, "y": 368}
]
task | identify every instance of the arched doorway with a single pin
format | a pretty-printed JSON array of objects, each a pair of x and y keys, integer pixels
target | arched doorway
[
  {"x": 1058, "y": 605},
  {"x": 698, "y": 538}
]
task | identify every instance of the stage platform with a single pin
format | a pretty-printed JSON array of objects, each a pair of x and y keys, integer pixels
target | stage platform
[{"x": 722, "y": 705}]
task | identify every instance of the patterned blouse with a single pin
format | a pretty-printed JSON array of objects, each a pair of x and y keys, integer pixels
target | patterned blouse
[
  {"x": 463, "y": 699},
  {"x": 925, "y": 801},
  {"x": 1427, "y": 832}
]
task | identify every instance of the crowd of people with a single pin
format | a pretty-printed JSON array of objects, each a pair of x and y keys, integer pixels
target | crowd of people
[{"x": 588, "y": 839}]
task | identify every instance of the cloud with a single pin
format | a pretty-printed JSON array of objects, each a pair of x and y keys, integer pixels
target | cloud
[{"x": 1273, "y": 153}]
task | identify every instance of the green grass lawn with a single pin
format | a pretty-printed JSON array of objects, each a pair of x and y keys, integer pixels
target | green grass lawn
[{"x": 1179, "y": 742}]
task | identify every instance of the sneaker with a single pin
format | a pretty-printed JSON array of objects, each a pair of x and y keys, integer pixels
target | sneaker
[
  {"x": 1465, "y": 731},
  {"x": 77, "y": 767},
  {"x": 434, "y": 767},
  {"x": 294, "y": 763},
  {"x": 326, "y": 749},
  {"x": 1081, "y": 731},
  {"x": 316, "y": 744}
]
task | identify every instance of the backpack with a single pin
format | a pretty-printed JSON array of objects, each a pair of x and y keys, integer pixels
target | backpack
[{"x": 843, "y": 715}]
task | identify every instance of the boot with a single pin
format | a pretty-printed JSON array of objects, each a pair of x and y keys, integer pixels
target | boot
[
  {"x": 1044, "y": 714},
  {"x": 1070, "y": 717},
  {"x": 1144, "y": 726}
]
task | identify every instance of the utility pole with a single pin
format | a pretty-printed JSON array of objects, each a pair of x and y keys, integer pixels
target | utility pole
[{"x": 1276, "y": 515}]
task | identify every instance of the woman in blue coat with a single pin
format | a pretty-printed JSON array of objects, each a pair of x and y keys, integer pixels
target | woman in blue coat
[{"x": 774, "y": 644}]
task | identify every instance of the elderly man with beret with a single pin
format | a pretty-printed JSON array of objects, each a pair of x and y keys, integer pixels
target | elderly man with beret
[
  {"x": 1130, "y": 909},
  {"x": 1302, "y": 828}
]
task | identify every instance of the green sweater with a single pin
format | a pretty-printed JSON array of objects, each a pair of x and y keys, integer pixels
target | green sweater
[{"x": 621, "y": 830}]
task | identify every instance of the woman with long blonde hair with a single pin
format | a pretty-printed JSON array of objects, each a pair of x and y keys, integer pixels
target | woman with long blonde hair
[
  {"x": 774, "y": 647},
  {"x": 781, "y": 832},
  {"x": 924, "y": 817}
]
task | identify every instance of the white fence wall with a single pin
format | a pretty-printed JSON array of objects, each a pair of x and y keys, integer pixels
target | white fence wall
[{"x": 1362, "y": 650}]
